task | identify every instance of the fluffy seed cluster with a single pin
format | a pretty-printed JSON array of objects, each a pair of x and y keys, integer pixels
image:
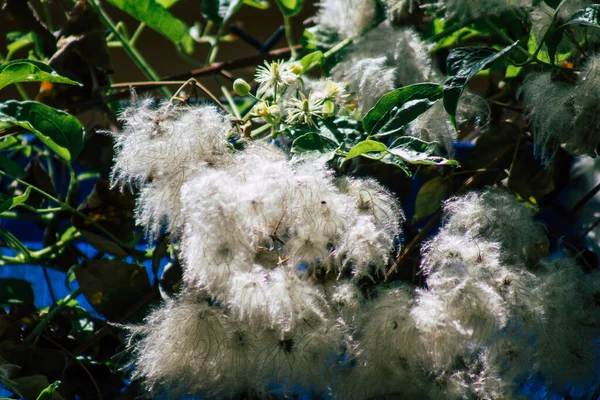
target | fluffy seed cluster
[
  {"x": 273, "y": 253},
  {"x": 565, "y": 113},
  {"x": 463, "y": 10}
]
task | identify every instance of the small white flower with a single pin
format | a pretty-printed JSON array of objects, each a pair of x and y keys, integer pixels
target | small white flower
[
  {"x": 274, "y": 77},
  {"x": 304, "y": 110}
]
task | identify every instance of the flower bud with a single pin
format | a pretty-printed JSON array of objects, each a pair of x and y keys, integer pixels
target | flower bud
[
  {"x": 329, "y": 109},
  {"x": 296, "y": 68},
  {"x": 241, "y": 87},
  {"x": 260, "y": 109},
  {"x": 273, "y": 115}
]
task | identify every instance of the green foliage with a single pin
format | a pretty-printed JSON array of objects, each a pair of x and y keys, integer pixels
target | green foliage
[
  {"x": 157, "y": 17},
  {"x": 57, "y": 129},
  {"x": 411, "y": 101},
  {"x": 30, "y": 71},
  {"x": 290, "y": 8},
  {"x": 462, "y": 65}
]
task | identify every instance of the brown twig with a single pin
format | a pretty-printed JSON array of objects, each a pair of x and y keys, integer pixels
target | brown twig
[{"x": 206, "y": 71}]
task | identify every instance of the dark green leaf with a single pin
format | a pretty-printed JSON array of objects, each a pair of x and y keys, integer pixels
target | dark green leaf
[
  {"x": 7, "y": 202},
  {"x": 313, "y": 141},
  {"x": 462, "y": 65},
  {"x": 220, "y": 10},
  {"x": 103, "y": 245},
  {"x": 411, "y": 101},
  {"x": 416, "y": 151},
  {"x": 552, "y": 3},
  {"x": 430, "y": 197},
  {"x": 15, "y": 290},
  {"x": 366, "y": 146},
  {"x": 57, "y": 129},
  {"x": 29, "y": 71},
  {"x": 157, "y": 17},
  {"x": 111, "y": 286},
  {"x": 588, "y": 16},
  {"x": 11, "y": 167},
  {"x": 289, "y": 8},
  {"x": 311, "y": 60}
]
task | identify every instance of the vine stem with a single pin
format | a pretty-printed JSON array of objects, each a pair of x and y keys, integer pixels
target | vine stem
[
  {"x": 59, "y": 306},
  {"x": 135, "y": 55},
  {"x": 289, "y": 36},
  {"x": 65, "y": 206}
]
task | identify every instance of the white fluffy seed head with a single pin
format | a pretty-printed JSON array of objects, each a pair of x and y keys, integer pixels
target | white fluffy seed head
[
  {"x": 496, "y": 216},
  {"x": 468, "y": 9},
  {"x": 167, "y": 140},
  {"x": 349, "y": 18}
]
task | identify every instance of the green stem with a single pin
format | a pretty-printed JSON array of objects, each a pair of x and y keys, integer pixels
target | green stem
[
  {"x": 47, "y": 15},
  {"x": 21, "y": 91},
  {"x": 135, "y": 55},
  {"x": 59, "y": 306},
  {"x": 230, "y": 101},
  {"x": 16, "y": 243},
  {"x": 289, "y": 36},
  {"x": 66, "y": 207},
  {"x": 214, "y": 49},
  {"x": 137, "y": 34},
  {"x": 72, "y": 182}
]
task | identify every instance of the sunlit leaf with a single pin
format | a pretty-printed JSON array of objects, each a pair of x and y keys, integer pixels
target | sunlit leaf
[
  {"x": 30, "y": 71},
  {"x": 311, "y": 60},
  {"x": 7, "y": 202},
  {"x": 366, "y": 146},
  {"x": 416, "y": 151},
  {"x": 462, "y": 65},
  {"x": 411, "y": 101},
  {"x": 157, "y": 17},
  {"x": 57, "y": 129}
]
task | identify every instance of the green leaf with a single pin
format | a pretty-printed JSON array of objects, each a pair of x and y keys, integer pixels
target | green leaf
[
  {"x": 588, "y": 16},
  {"x": 260, "y": 4},
  {"x": 396, "y": 161},
  {"x": 167, "y": 3},
  {"x": 311, "y": 60},
  {"x": 111, "y": 286},
  {"x": 313, "y": 141},
  {"x": 46, "y": 394},
  {"x": 157, "y": 17},
  {"x": 416, "y": 151},
  {"x": 7, "y": 202},
  {"x": 220, "y": 11},
  {"x": 366, "y": 146},
  {"x": 289, "y": 8},
  {"x": 412, "y": 101},
  {"x": 462, "y": 65},
  {"x": 30, "y": 71},
  {"x": 11, "y": 167},
  {"x": 430, "y": 197},
  {"x": 57, "y": 129},
  {"x": 14, "y": 290}
]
